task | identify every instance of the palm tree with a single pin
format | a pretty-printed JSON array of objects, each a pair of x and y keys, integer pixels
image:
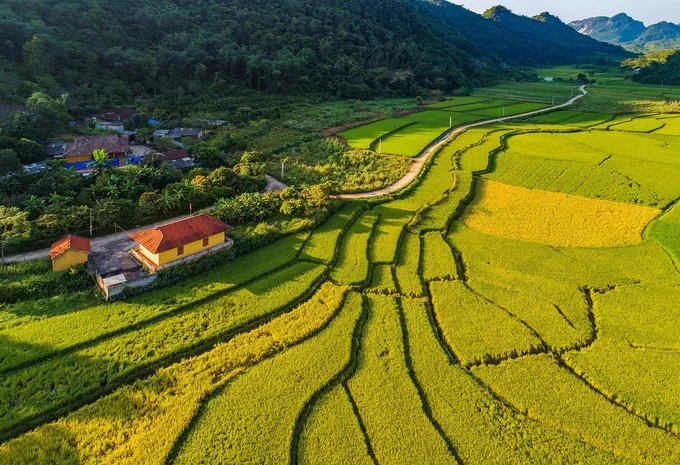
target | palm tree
[{"x": 100, "y": 164}]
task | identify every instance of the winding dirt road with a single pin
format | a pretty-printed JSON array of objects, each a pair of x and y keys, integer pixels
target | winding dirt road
[{"x": 422, "y": 159}]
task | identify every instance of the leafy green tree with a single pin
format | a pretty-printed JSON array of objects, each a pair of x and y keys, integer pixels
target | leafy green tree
[
  {"x": 14, "y": 227},
  {"x": 36, "y": 58},
  {"x": 29, "y": 151},
  {"x": 250, "y": 165},
  {"x": 208, "y": 156},
  {"x": 9, "y": 162},
  {"x": 44, "y": 117}
]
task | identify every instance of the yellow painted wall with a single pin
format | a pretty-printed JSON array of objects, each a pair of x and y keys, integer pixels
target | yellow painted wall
[
  {"x": 170, "y": 256},
  {"x": 78, "y": 158},
  {"x": 69, "y": 259}
]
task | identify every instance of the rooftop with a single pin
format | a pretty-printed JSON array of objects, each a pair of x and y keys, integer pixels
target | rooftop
[
  {"x": 86, "y": 145},
  {"x": 176, "y": 133},
  {"x": 70, "y": 242},
  {"x": 182, "y": 232}
]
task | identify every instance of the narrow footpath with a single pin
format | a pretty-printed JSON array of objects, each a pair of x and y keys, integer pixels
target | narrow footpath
[{"x": 422, "y": 159}]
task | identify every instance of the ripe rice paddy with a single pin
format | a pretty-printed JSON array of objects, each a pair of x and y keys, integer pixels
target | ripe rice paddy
[
  {"x": 556, "y": 219},
  {"x": 398, "y": 332}
]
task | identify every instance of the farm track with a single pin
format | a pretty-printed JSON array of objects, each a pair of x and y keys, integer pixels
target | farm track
[{"x": 421, "y": 160}]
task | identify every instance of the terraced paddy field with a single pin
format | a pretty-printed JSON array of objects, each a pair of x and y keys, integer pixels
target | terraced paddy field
[
  {"x": 409, "y": 135},
  {"x": 402, "y": 331}
]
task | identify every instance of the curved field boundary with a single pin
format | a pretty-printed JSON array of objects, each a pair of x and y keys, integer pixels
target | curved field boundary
[
  {"x": 426, "y": 154},
  {"x": 374, "y": 144}
]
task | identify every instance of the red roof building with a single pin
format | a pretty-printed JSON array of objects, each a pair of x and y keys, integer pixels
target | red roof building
[
  {"x": 69, "y": 251},
  {"x": 116, "y": 146},
  {"x": 180, "y": 240}
]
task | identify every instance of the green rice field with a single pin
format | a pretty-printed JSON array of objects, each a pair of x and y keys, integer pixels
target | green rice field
[{"x": 400, "y": 331}]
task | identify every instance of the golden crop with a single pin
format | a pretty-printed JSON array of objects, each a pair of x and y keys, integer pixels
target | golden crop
[{"x": 556, "y": 219}]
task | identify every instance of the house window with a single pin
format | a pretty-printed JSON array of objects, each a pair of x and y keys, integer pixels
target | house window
[
  {"x": 206, "y": 242},
  {"x": 180, "y": 250}
]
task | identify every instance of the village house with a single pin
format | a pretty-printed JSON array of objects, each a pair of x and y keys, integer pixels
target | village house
[
  {"x": 116, "y": 146},
  {"x": 178, "y": 133},
  {"x": 180, "y": 241},
  {"x": 55, "y": 148},
  {"x": 177, "y": 159},
  {"x": 69, "y": 251},
  {"x": 115, "y": 115}
]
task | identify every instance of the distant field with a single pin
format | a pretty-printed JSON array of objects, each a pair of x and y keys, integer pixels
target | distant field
[
  {"x": 570, "y": 72},
  {"x": 409, "y": 135},
  {"x": 556, "y": 219}
]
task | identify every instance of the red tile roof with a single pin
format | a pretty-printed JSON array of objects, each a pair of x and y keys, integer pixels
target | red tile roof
[
  {"x": 172, "y": 235},
  {"x": 113, "y": 144},
  {"x": 69, "y": 242}
]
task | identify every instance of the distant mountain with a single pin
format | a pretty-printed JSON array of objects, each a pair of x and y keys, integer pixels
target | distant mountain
[
  {"x": 521, "y": 40},
  {"x": 630, "y": 33}
]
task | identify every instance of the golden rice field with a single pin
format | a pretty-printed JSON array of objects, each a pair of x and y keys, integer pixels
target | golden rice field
[
  {"x": 554, "y": 218},
  {"x": 518, "y": 304}
]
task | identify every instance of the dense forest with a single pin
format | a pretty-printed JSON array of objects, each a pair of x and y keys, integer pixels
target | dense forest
[
  {"x": 664, "y": 71},
  {"x": 112, "y": 52}
]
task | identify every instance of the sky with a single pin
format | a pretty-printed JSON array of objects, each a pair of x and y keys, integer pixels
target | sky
[{"x": 649, "y": 11}]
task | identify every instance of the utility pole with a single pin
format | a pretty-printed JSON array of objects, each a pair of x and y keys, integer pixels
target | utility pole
[
  {"x": 90, "y": 222},
  {"x": 380, "y": 146},
  {"x": 450, "y": 121},
  {"x": 283, "y": 170},
  {"x": 503, "y": 111}
]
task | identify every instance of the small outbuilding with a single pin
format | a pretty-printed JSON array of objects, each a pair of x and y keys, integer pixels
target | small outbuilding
[
  {"x": 70, "y": 251},
  {"x": 180, "y": 241}
]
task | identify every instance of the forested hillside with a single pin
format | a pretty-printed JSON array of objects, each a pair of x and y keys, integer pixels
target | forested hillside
[
  {"x": 665, "y": 71},
  {"x": 520, "y": 40},
  {"x": 115, "y": 51}
]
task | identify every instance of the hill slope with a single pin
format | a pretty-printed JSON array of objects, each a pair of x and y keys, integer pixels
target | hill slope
[
  {"x": 359, "y": 49},
  {"x": 630, "y": 33}
]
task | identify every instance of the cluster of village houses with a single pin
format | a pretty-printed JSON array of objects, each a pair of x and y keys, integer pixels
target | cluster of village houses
[
  {"x": 121, "y": 147},
  {"x": 135, "y": 262}
]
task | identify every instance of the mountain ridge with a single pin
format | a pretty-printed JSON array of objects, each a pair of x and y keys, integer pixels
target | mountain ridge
[
  {"x": 138, "y": 48},
  {"x": 632, "y": 34}
]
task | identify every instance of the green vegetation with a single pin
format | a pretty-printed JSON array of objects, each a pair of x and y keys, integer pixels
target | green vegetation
[
  {"x": 397, "y": 428},
  {"x": 164, "y": 404},
  {"x": 234, "y": 415},
  {"x": 352, "y": 266},
  {"x": 398, "y": 329}
]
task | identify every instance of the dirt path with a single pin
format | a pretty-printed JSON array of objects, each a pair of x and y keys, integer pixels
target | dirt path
[
  {"x": 98, "y": 244},
  {"x": 422, "y": 159}
]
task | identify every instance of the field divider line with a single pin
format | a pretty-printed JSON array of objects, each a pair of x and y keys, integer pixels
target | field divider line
[
  {"x": 177, "y": 445},
  {"x": 442, "y": 141},
  {"x": 425, "y": 405},
  {"x": 339, "y": 379},
  {"x": 146, "y": 370},
  {"x": 179, "y": 310},
  {"x": 362, "y": 425},
  {"x": 375, "y": 142}
]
